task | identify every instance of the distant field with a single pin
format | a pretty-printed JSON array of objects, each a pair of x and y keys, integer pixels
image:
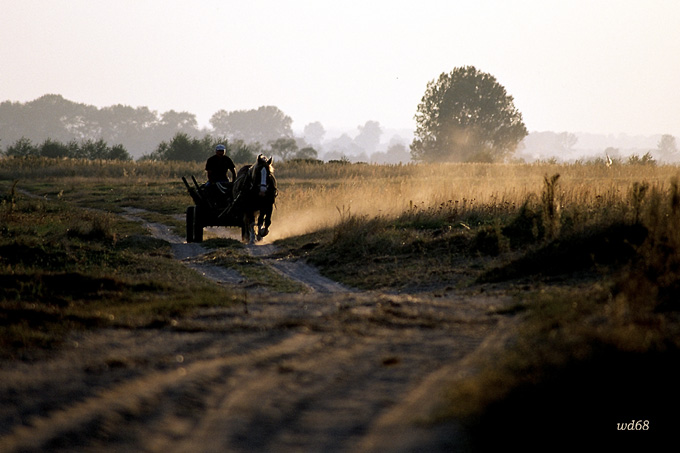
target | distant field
[{"x": 316, "y": 195}]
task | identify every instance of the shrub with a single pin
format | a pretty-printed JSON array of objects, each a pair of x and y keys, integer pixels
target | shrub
[
  {"x": 646, "y": 159},
  {"x": 22, "y": 148}
]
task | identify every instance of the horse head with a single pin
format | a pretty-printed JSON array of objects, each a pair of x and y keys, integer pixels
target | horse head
[{"x": 261, "y": 172}]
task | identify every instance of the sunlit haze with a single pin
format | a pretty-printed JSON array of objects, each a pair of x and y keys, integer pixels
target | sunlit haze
[{"x": 581, "y": 66}]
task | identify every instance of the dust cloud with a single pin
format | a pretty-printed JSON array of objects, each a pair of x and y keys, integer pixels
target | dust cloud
[{"x": 379, "y": 192}]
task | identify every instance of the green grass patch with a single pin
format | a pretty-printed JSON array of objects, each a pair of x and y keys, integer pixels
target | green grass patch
[
  {"x": 164, "y": 197},
  {"x": 64, "y": 268}
]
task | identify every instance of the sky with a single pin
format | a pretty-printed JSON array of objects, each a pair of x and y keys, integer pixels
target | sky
[{"x": 596, "y": 66}]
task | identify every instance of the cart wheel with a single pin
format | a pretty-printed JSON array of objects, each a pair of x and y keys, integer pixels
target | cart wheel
[
  {"x": 194, "y": 226},
  {"x": 190, "y": 223},
  {"x": 198, "y": 225}
]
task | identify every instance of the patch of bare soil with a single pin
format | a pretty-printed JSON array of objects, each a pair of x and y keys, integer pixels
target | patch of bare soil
[{"x": 333, "y": 370}]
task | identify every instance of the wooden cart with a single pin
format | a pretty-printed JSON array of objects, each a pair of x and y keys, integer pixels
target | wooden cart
[{"x": 214, "y": 205}]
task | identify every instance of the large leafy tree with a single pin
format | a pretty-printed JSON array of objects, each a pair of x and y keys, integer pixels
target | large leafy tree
[{"x": 466, "y": 116}]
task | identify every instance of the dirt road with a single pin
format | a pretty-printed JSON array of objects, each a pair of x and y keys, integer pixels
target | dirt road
[{"x": 331, "y": 370}]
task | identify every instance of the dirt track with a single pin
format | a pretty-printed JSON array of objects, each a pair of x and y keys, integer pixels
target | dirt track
[{"x": 330, "y": 370}]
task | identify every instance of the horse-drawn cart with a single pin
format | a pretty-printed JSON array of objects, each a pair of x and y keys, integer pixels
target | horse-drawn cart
[{"x": 214, "y": 206}]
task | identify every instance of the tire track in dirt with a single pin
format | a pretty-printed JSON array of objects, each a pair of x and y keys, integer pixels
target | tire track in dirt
[
  {"x": 331, "y": 370},
  {"x": 185, "y": 251},
  {"x": 297, "y": 270},
  {"x": 132, "y": 395}
]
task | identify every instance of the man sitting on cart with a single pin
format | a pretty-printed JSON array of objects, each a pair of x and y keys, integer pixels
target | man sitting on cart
[{"x": 218, "y": 165}]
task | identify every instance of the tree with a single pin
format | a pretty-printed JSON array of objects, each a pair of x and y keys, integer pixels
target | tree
[
  {"x": 184, "y": 148},
  {"x": 22, "y": 148},
  {"x": 284, "y": 147},
  {"x": 667, "y": 149},
  {"x": 263, "y": 125},
  {"x": 137, "y": 129},
  {"x": 314, "y": 133},
  {"x": 465, "y": 116},
  {"x": 241, "y": 152},
  {"x": 52, "y": 148},
  {"x": 396, "y": 153},
  {"x": 173, "y": 122},
  {"x": 91, "y": 149},
  {"x": 306, "y": 153},
  {"x": 343, "y": 145},
  {"x": 118, "y": 152},
  {"x": 369, "y": 136},
  {"x": 566, "y": 141}
]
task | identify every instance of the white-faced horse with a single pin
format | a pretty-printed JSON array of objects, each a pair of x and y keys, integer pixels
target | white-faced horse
[{"x": 255, "y": 192}]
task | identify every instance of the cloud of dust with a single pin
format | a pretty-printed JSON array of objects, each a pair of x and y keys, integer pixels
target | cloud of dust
[{"x": 302, "y": 210}]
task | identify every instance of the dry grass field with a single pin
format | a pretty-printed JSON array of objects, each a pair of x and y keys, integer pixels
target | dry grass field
[{"x": 589, "y": 254}]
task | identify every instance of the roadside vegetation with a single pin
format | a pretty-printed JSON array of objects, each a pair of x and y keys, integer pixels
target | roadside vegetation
[
  {"x": 65, "y": 267},
  {"x": 589, "y": 252},
  {"x": 593, "y": 264}
]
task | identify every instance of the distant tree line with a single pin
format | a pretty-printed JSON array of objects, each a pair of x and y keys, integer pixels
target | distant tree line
[
  {"x": 181, "y": 147},
  {"x": 464, "y": 116},
  {"x": 54, "y": 126},
  {"x": 560, "y": 147},
  {"x": 70, "y": 129},
  {"x": 137, "y": 130}
]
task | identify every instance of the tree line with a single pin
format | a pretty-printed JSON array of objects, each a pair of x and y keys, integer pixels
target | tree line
[
  {"x": 465, "y": 115},
  {"x": 88, "y": 149},
  {"x": 139, "y": 131},
  {"x": 181, "y": 147}
]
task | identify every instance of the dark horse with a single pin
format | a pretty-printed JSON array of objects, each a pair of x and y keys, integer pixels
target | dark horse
[{"x": 255, "y": 192}]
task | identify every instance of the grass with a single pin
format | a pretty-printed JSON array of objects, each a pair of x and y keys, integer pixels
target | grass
[
  {"x": 377, "y": 254},
  {"x": 591, "y": 253},
  {"x": 232, "y": 254},
  {"x": 598, "y": 355},
  {"x": 598, "y": 272},
  {"x": 65, "y": 268}
]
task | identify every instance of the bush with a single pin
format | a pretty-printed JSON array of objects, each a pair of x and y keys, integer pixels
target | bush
[
  {"x": 22, "y": 148},
  {"x": 243, "y": 153},
  {"x": 54, "y": 149},
  {"x": 184, "y": 148},
  {"x": 647, "y": 159}
]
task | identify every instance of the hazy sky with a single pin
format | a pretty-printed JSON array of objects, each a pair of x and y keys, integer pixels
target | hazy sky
[{"x": 579, "y": 66}]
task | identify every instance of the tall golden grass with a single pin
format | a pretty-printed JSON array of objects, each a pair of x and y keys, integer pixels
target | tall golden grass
[{"x": 311, "y": 195}]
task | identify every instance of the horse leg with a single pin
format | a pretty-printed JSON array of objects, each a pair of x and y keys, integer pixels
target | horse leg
[
  {"x": 245, "y": 227},
  {"x": 244, "y": 230},
  {"x": 260, "y": 221},
  {"x": 251, "y": 231},
  {"x": 248, "y": 234},
  {"x": 264, "y": 220}
]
